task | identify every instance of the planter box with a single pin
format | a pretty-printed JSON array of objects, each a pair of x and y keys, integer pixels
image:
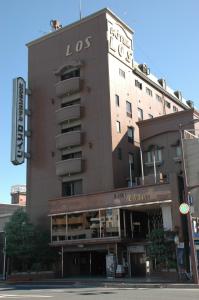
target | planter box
[{"x": 30, "y": 276}]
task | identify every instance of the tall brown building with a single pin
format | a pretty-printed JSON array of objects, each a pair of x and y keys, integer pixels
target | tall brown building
[{"x": 87, "y": 95}]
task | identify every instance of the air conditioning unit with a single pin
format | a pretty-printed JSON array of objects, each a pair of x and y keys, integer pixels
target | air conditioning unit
[
  {"x": 144, "y": 68},
  {"x": 178, "y": 94},
  {"x": 162, "y": 82},
  {"x": 190, "y": 103}
]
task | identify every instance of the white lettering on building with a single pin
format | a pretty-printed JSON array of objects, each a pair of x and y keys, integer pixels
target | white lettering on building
[
  {"x": 120, "y": 42},
  {"x": 78, "y": 46}
]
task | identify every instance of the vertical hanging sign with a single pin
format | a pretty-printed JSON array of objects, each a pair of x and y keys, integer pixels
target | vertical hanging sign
[{"x": 18, "y": 121}]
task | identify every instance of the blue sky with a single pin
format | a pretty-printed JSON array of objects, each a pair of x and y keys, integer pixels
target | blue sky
[{"x": 166, "y": 38}]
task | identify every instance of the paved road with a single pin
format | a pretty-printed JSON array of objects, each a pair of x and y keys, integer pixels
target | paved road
[{"x": 96, "y": 293}]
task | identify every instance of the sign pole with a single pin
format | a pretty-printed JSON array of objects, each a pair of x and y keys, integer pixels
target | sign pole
[{"x": 189, "y": 217}]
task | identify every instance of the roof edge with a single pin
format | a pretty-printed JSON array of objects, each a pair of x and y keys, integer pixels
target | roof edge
[
  {"x": 167, "y": 116},
  {"x": 77, "y": 23}
]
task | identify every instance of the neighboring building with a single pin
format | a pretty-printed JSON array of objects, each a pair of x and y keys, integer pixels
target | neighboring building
[
  {"x": 84, "y": 171},
  {"x": 18, "y": 194}
]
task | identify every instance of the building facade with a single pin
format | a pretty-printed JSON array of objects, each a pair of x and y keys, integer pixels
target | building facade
[
  {"x": 18, "y": 194},
  {"x": 88, "y": 99}
]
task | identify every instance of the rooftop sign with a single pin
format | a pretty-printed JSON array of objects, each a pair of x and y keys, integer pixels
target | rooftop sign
[{"x": 120, "y": 42}]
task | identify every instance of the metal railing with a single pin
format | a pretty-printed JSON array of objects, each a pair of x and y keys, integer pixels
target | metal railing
[
  {"x": 191, "y": 134},
  {"x": 151, "y": 179}
]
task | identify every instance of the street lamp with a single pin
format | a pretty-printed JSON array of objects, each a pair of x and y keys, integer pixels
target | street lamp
[
  {"x": 4, "y": 257},
  {"x": 189, "y": 217}
]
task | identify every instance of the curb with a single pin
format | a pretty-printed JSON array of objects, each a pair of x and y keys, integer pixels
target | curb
[{"x": 105, "y": 284}]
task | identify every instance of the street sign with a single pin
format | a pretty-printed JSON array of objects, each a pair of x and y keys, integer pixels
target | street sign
[{"x": 184, "y": 208}]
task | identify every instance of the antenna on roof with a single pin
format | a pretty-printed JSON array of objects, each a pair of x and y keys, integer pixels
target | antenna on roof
[{"x": 80, "y": 9}]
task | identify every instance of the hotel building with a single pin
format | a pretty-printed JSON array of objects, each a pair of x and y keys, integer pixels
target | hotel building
[{"x": 94, "y": 111}]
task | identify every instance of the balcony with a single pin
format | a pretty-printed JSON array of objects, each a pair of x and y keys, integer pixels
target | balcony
[
  {"x": 150, "y": 180},
  {"x": 69, "y": 166},
  {"x": 69, "y": 139},
  {"x": 67, "y": 87},
  {"x": 68, "y": 113},
  {"x": 151, "y": 163}
]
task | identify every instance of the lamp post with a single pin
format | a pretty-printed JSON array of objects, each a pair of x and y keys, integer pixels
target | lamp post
[
  {"x": 4, "y": 257},
  {"x": 189, "y": 217}
]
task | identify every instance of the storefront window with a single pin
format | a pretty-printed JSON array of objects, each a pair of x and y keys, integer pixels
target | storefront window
[
  {"x": 86, "y": 225},
  {"x": 109, "y": 222},
  {"x": 83, "y": 225},
  {"x": 59, "y": 228}
]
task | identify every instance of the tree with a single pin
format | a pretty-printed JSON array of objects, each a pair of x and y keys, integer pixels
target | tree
[
  {"x": 161, "y": 249},
  {"x": 27, "y": 245}
]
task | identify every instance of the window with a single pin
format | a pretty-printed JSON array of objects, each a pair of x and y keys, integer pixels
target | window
[
  {"x": 73, "y": 102},
  {"x": 167, "y": 104},
  {"x": 178, "y": 151},
  {"x": 71, "y": 188},
  {"x": 70, "y": 74},
  {"x": 140, "y": 114},
  {"x": 149, "y": 92},
  {"x": 74, "y": 128},
  {"x": 121, "y": 73},
  {"x": 117, "y": 100},
  {"x": 118, "y": 127},
  {"x": 72, "y": 155},
  {"x": 175, "y": 109},
  {"x": 131, "y": 158},
  {"x": 159, "y": 98},
  {"x": 138, "y": 84},
  {"x": 131, "y": 161},
  {"x": 150, "y": 116},
  {"x": 119, "y": 153},
  {"x": 128, "y": 109},
  {"x": 130, "y": 134},
  {"x": 131, "y": 167},
  {"x": 150, "y": 156}
]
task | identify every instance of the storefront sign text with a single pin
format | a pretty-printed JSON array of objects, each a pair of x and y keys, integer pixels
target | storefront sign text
[{"x": 132, "y": 197}]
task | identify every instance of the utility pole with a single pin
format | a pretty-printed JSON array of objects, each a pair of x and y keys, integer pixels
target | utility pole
[
  {"x": 80, "y": 9},
  {"x": 4, "y": 258},
  {"x": 189, "y": 217}
]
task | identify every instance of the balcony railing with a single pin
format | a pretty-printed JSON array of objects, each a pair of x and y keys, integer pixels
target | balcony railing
[
  {"x": 67, "y": 87},
  {"x": 68, "y": 167},
  {"x": 150, "y": 180},
  {"x": 68, "y": 113},
  {"x": 68, "y": 139}
]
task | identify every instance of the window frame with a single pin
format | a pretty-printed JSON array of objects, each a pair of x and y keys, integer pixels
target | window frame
[
  {"x": 132, "y": 130},
  {"x": 129, "y": 112},
  {"x": 122, "y": 73},
  {"x": 140, "y": 111},
  {"x": 118, "y": 126},
  {"x": 117, "y": 100}
]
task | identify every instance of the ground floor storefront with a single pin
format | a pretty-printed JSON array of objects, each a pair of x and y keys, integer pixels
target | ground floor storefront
[
  {"x": 104, "y": 264},
  {"x": 108, "y": 242},
  {"x": 107, "y": 234},
  {"x": 110, "y": 260}
]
